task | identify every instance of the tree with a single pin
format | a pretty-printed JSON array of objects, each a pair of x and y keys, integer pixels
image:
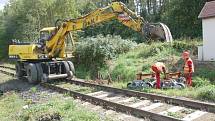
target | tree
[{"x": 182, "y": 17}]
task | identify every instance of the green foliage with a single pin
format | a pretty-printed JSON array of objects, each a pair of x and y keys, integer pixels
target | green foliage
[
  {"x": 182, "y": 45},
  {"x": 175, "y": 115},
  {"x": 10, "y": 105},
  {"x": 113, "y": 27},
  {"x": 23, "y": 19},
  {"x": 59, "y": 108},
  {"x": 198, "y": 82},
  {"x": 206, "y": 72},
  {"x": 182, "y": 17},
  {"x": 94, "y": 52},
  {"x": 152, "y": 50},
  {"x": 65, "y": 110},
  {"x": 207, "y": 93},
  {"x": 143, "y": 56},
  {"x": 33, "y": 89},
  {"x": 2, "y": 31}
]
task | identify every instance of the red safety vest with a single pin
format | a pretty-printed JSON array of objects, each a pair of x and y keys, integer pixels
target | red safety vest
[{"x": 186, "y": 66}]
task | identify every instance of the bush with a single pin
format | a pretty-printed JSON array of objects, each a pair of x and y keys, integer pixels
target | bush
[
  {"x": 190, "y": 45},
  {"x": 207, "y": 93},
  {"x": 198, "y": 82},
  {"x": 207, "y": 72},
  {"x": 93, "y": 52}
]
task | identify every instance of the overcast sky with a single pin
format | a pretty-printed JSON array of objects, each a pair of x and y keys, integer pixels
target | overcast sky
[{"x": 2, "y": 3}]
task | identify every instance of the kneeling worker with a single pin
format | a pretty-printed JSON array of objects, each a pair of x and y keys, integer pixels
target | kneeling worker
[
  {"x": 188, "y": 67},
  {"x": 159, "y": 68}
]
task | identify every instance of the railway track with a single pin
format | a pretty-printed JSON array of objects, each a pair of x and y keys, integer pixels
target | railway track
[
  {"x": 7, "y": 70},
  {"x": 150, "y": 106}
]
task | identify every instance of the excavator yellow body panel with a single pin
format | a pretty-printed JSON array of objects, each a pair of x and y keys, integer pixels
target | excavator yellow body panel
[{"x": 24, "y": 52}]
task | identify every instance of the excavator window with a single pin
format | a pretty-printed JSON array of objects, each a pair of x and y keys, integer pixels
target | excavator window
[{"x": 44, "y": 35}]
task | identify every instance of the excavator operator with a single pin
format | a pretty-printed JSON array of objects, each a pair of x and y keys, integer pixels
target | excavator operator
[
  {"x": 188, "y": 67},
  {"x": 158, "y": 68}
]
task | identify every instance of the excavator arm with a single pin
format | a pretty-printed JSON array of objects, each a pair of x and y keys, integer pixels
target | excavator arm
[
  {"x": 55, "y": 46},
  {"x": 37, "y": 61}
]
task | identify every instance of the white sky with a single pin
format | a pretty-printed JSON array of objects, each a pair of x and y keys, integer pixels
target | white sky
[{"x": 2, "y": 3}]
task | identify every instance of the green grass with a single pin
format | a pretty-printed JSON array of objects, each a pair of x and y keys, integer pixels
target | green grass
[
  {"x": 11, "y": 106},
  {"x": 124, "y": 68},
  {"x": 67, "y": 109},
  {"x": 141, "y": 58},
  {"x": 76, "y": 88},
  {"x": 175, "y": 115}
]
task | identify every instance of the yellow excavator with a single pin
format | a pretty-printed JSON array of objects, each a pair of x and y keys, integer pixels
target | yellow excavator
[{"x": 46, "y": 59}]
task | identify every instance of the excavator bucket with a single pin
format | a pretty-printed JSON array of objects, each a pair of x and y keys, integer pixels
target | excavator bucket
[{"x": 158, "y": 31}]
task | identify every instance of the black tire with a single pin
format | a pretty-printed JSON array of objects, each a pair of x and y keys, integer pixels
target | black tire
[
  {"x": 71, "y": 66},
  {"x": 150, "y": 85},
  {"x": 155, "y": 84},
  {"x": 179, "y": 86},
  {"x": 70, "y": 75},
  {"x": 44, "y": 78},
  {"x": 39, "y": 72},
  {"x": 67, "y": 70},
  {"x": 128, "y": 85},
  {"x": 32, "y": 73},
  {"x": 19, "y": 71}
]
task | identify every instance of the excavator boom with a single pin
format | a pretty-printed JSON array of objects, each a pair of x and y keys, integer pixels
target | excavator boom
[
  {"x": 117, "y": 11},
  {"x": 38, "y": 61}
]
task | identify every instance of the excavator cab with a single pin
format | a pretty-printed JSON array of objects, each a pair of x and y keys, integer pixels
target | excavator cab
[{"x": 46, "y": 34}]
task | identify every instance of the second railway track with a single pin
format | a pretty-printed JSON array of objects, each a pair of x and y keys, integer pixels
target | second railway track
[{"x": 142, "y": 108}]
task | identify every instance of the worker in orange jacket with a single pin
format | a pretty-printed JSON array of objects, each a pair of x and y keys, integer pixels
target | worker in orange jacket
[
  {"x": 188, "y": 67},
  {"x": 158, "y": 68}
]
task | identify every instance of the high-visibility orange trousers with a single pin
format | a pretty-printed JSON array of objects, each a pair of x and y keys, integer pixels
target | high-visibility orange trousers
[
  {"x": 158, "y": 80},
  {"x": 157, "y": 75},
  {"x": 188, "y": 79}
]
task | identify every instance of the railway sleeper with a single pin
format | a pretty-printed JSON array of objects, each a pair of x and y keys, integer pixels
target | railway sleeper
[{"x": 37, "y": 72}]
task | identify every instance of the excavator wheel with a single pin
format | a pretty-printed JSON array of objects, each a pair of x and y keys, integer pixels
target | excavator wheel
[
  {"x": 32, "y": 73},
  {"x": 71, "y": 67},
  {"x": 70, "y": 75},
  {"x": 19, "y": 71},
  {"x": 39, "y": 72},
  {"x": 44, "y": 78},
  {"x": 67, "y": 69}
]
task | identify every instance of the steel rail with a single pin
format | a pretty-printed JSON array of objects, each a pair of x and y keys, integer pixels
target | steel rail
[
  {"x": 111, "y": 105},
  {"x": 209, "y": 107},
  {"x": 106, "y": 104},
  {"x": 11, "y": 68},
  {"x": 8, "y": 73}
]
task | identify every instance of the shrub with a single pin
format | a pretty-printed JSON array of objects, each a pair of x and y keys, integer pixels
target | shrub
[
  {"x": 93, "y": 52},
  {"x": 151, "y": 50},
  {"x": 206, "y": 71},
  {"x": 207, "y": 93},
  {"x": 197, "y": 82},
  {"x": 185, "y": 45}
]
